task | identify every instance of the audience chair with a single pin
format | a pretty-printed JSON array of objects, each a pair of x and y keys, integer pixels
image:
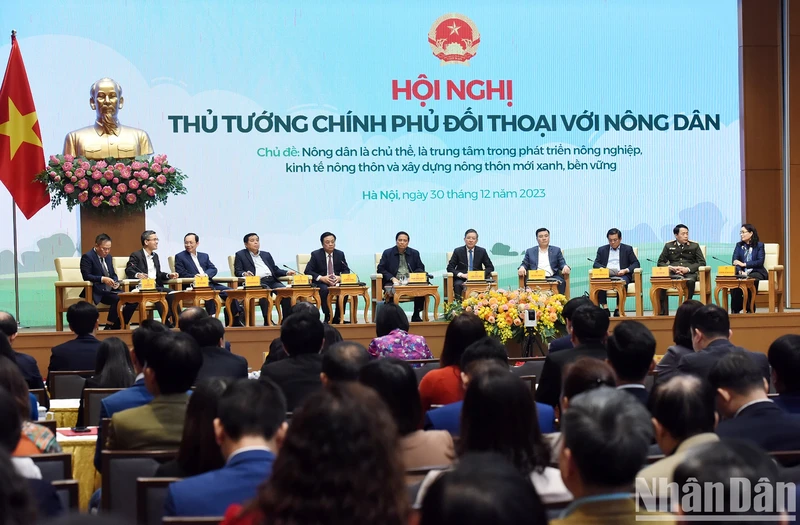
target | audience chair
[
  {"x": 67, "y": 384},
  {"x": 786, "y": 458},
  {"x": 532, "y": 381},
  {"x": 121, "y": 469},
  {"x": 531, "y": 366},
  {"x": 151, "y": 493},
  {"x": 71, "y": 288},
  {"x": 54, "y": 467},
  {"x": 68, "y": 493},
  {"x": 41, "y": 396},
  {"x": 91, "y": 403},
  {"x": 415, "y": 475}
]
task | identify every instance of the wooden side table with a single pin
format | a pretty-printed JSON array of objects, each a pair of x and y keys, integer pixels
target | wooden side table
[
  {"x": 608, "y": 285},
  {"x": 248, "y": 296},
  {"x": 666, "y": 283},
  {"x": 309, "y": 293},
  {"x": 477, "y": 286},
  {"x": 411, "y": 291},
  {"x": 352, "y": 293},
  {"x": 141, "y": 298},
  {"x": 195, "y": 294},
  {"x": 552, "y": 286},
  {"x": 725, "y": 284}
]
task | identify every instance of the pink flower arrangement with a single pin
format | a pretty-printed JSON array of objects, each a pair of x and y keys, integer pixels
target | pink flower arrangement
[
  {"x": 151, "y": 191},
  {"x": 155, "y": 168},
  {"x": 69, "y": 158},
  {"x": 67, "y": 166},
  {"x": 161, "y": 180},
  {"x": 113, "y": 201},
  {"x": 133, "y": 184},
  {"x": 107, "y": 191},
  {"x": 69, "y": 188},
  {"x": 122, "y": 188},
  {"x": 83, "y": 196},
  {"x": 130, "y": 198},
  {"x": 96, "y": 175},
  {"x": 101, "y": 164},
  {"x": 96, "y": 188},
  {"x": 97, "y": 201},
  {"x": 83, "y": 184}
]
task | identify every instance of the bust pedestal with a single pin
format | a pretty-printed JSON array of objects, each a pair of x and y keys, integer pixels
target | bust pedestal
[{"x": 124, "y": 227}]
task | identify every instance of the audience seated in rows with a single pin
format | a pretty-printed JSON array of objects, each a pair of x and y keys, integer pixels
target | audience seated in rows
[
  {"x": 217, "y": 361},
  {"x": 393, "y": 339},
  {"x": 250, "y": 428},
  {"x": 565, "y": 342},
  {"x": 343, "y": 361},
  {"x": 394, "y": 380},
  {"x": 27, "y": 364},
  {"x": 79, "y": 353},
  {"x": 784, "y": 358},
  {"x": 589, "y": 333},
  {"x": 34, "y": 439},
  {"x": 682, "y": 337},
  {"x": 631, "y": 349},
  {"x": 173, "y": 362},
  {"x": 443, "y": 385},
  {"x": 112, "y": 369}
]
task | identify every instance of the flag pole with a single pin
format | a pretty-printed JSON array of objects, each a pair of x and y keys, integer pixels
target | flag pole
[{"x": 16, "y": 260}]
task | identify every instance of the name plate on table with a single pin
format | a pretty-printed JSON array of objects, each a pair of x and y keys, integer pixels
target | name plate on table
[
  {"x": 147, "y": 284},
  {"x": 600, "y": 273},
  {"x": 476, "y": 275},
  {"x": 661, "y": 271},
  {"x": 536, "y": 275},
  {"x": 348, "y": 278},
  {"x": 252, "y": 281},
  {"x": 300, "y": 279},
  {"x": 726, "y": 271},
  {"x": 418, "y": 278},
  {"x": 201, "y": 281}
]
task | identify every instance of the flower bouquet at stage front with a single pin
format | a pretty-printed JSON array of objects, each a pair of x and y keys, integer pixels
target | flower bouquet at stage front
[
  {"x": 111, "y": 185},
  {"x": 504, "y": 313}
]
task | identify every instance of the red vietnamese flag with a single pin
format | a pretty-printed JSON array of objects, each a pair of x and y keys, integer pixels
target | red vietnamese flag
[{"x": 21, "y": 152}]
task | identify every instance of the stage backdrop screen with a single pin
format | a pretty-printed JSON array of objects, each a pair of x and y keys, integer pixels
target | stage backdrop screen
[{"x": 366, "y": 118}]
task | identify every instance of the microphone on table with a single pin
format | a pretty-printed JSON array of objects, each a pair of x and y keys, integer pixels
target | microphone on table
[
  {"x": 292, "y": 269},
  {"x": 720, "y": 260}
]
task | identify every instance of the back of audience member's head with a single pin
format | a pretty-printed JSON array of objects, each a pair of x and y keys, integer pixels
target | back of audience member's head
[
  {"x": 343, "y": 361},
  {"x": 173, "y": 363},
  {"x": 482, "y": 488},
  {"x": 682, "y": 325},
  {"x": 736, "y": 374},
  {"x": 336, "y": 483},
  {"x": 584, "y": 374},
  {"x": 251, "y": 408},
  {"x": 711, "y": 321},
  {"x": 5, "y": 348},
  {"x": 190, "y": 316},
  {"x": 390, "y": 317},
  {"x": 12, "y": 380},
  {"x": 683, "y": 406},
  {"x": 573, "y": 304},
  {"x": 82, "y": 317},
  {"x": 8, "y": 325},
  {"x": 717, "y": 472},
  {"x": 276, "y": 352},
  {"x": 606, "y": 438},
  {"x": 631, "y": 349},
  {"x": 305, "y": 307},
  {"x": 16, "y": 504},
  {"x": 784, "y": 358},
  {"x": 302, "y": 334},
  {"x": 11, "y": 429},
  {"x": 331, "y": 336},
  {"x": 394, "y": 380},
  {"x": 143, "y": 337},
  {"x": 590, "y": 324},
  {"x": 208, "y": 332},
  {"x": 199, "y": 451},
  {"x": 499, "y": 415},
  {"x": 461, "y": 332},
  {"x": 113, "y": 367},
  {"x": 482, "y": 349}
]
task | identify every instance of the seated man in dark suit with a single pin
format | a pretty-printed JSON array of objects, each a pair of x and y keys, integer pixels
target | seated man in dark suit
[
  {"x": 342, "y": 362},
  {"x": 298, "y": 375},
  {"x": 468, "y": 258},
  {"x": 395, "y": 266},
  {"x": 589, "y": 333},
  {"x": 190, "y": 264},
  {"x": 26, "y": 363},
  {"x": 81, "y": 352},
  {"x": 711, "y": 329},
  {"x": 136, "y": 395},
  {"x": 631, "y": 349},
  {"x": 620, "y": 261},
  {"x": 249, "y": 429},
  {"x": 784, "y": 358},
  {"x": 172, "y": 365},
  {"x": 325, "y": 267},
  {"x": 144, "y": 264},
  {"x": 97, "y": 267},
  {"x": 252, "y": 261},
  {"x": 547, "y": 258},
  {"x": 565, "y": 342},
  {"x": 747, "y": 411},
  {"x": 217, "y": 362},
  {"x": 474, "y": 361}
]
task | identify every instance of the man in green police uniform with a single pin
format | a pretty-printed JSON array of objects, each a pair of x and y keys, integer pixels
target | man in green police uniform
[{"x": 683, "y": 258}]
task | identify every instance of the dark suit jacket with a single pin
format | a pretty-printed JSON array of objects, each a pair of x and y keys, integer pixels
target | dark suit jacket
[
  {"x": 390, "y": 263},
  {"x": 243, "y": 262},
  {"x": 459, "y": 262},
  {"x": 92, "y": 270},
  {"x": 627, "y": 259},
  {"x": 185, "y": 268},
  {"x": 788, "y": 402},
  {"x": 554, "y": 253},
  {"x": 78, "y": 354},
  {"x": 766, "y": 425},
  {"x": 218, "y": 362},
  {"x": 132, "y": 397},
  {"x": 30, "y": 371},
  {"x": 756, "y": 260},
  {"x": 137, "y": 263},
  {"x": 562, "y": 343},
  {"x": 298, "y": 376},
  {"x": 211, "y": 493},
  {"x": 640, "y": 394},
  {"x": 549, "y": 389},
  {"x": 700, "y": 363},
  {"x": 318, "y": 264},
  {"x": 448, "y": 418}
]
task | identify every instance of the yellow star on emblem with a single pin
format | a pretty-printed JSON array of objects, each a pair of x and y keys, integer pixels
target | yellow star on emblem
[{"x": 19, "y": 128}]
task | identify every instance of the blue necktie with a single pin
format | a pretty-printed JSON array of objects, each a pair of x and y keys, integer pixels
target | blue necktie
[{"x": 470, "y": 260}]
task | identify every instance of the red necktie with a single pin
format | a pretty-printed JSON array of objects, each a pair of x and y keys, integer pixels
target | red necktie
[{"x": 330, "y": 264}]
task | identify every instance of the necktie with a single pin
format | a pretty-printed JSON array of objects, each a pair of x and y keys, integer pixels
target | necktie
[
  {"x": 105, "y": 268},
  {"x": 330, "y": 264},
  {"x": 470, "y": 261}
]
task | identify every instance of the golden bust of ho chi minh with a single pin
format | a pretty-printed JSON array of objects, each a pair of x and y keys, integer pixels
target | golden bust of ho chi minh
[{"x": 107, "y": 138}]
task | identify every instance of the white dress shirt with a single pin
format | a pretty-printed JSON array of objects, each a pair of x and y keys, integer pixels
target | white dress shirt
[
  {"x": 544, "y": 263},
  {"x": 262, "y": 270},
  {"x": 151, "y": 267},
  {"x": 613, "y": 260},
  {"x": 197, "y": 264}
]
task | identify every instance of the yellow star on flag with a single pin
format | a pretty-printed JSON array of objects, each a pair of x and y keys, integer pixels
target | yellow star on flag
[{"x": 19, "y": 128}]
